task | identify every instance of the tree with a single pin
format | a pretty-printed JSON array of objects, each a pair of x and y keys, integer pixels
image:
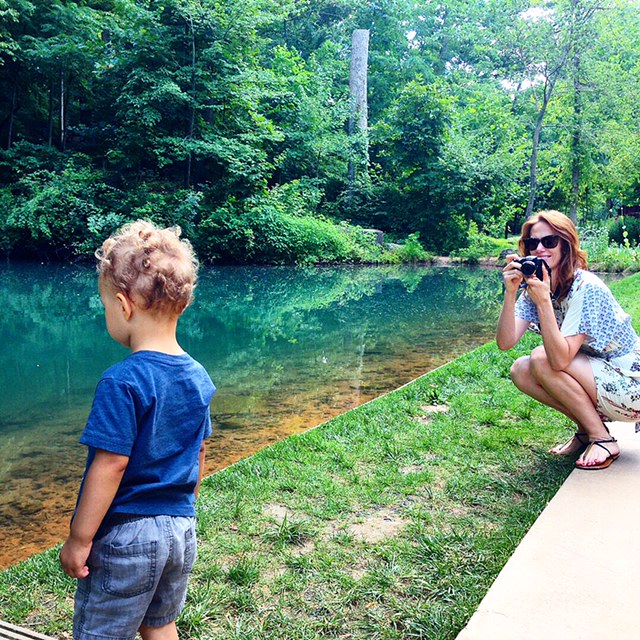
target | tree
[{"x": 358, "y": 116}]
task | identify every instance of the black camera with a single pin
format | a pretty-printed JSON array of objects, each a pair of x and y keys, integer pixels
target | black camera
[{"x": 532, "y": 265}]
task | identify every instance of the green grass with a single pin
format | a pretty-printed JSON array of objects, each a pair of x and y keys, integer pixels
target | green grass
[
  {"x": 390, "y": 521},
  {"x": 627, "y": 292}
]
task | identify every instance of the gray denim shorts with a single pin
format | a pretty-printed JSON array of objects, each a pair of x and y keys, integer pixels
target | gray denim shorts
[{"x": 138, "y": 572}]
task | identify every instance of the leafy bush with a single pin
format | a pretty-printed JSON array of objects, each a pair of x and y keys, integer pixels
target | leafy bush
[
  {"x": 480, "y": 246},
  {"x": 50, "y": 209},
  {"x": 624, "y": 229},
  {"x": 259, "y": 231},
  {"x": 606, "y": 256},
  {"x": 410, "y": 251}
]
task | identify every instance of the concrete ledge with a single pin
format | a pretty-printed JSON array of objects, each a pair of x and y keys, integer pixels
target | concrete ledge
[
  {"x": 576, "y": 574},
  {"x": 12, "y": 632}
]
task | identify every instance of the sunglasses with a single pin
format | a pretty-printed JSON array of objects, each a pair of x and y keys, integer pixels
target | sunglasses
[{"x": 548, "y": 242}]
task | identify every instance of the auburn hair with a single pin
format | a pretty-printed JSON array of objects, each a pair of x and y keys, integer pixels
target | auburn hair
[
  {"x": 572, "y": 256},
  {"x": 153, "y": 266}
]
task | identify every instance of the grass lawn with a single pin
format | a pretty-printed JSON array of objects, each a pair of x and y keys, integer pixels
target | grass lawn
[{"x": 389, "y": 521}]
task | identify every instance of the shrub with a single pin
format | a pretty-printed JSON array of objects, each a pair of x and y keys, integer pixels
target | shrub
[
  {"x": 480, "y": 246},
  {"x": 50, "y": 209},
  {"x": 624, "y": 229},
  {"x": 606, "y": 256},
  {"x": 259, "y": 231}
]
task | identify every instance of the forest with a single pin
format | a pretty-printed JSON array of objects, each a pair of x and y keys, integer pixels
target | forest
[{"x": 236, "y": 121}]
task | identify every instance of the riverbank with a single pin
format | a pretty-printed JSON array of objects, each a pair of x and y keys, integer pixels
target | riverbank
[
  {"x": 292, "y": 347},
  {"x": 389, "y": 521}
]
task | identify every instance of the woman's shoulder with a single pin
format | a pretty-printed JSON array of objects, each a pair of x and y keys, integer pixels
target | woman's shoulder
[{"x": 588, "y": 280}]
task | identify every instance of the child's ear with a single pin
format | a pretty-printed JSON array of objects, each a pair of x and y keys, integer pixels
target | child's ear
[{"x": 125, "y": 304}]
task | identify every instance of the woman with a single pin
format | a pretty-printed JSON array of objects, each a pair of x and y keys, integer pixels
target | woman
[{"x": 588, "y": 366}]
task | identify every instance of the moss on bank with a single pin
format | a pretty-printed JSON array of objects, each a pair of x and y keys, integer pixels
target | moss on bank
[{"x": 389, "y": 521}]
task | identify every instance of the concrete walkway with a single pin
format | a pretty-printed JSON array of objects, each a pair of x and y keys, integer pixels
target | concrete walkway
[{"x": 576, "y": 574}]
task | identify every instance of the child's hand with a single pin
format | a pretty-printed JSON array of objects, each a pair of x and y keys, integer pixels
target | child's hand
[{"x": 73, "y": 558}]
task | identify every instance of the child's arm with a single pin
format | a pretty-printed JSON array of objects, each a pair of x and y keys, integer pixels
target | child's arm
[
  {"x": 100, "y": 487},
  {"x": 201, "y": 456}
]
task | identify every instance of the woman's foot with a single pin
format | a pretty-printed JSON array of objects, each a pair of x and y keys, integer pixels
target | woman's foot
[
  {"x": 599, "y": 454},
  {"x": 577, "y": 444}
]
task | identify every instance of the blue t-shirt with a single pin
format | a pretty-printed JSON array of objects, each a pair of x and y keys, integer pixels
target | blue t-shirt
[{"x": 153, "y": 408}]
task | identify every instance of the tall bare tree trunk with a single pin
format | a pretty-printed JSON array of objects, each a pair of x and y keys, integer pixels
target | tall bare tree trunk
[
  {"x": 537, "y": 130},
  {"x": 14, "y": 104},
  {"x": 192, "y": 113},
  {"x": 63, "y": 115},
  {"x": 51, "y": 90},
  {"x": 358, "y": 122},
  {"x": 576, "y": 141}
]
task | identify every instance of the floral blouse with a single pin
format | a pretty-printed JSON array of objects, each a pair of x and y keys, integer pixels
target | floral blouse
[{"x": 589, "y": 309}]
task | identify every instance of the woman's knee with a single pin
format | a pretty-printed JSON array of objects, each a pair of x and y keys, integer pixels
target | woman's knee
[
  {"x": 531, "y": 368},
  {"x": 539, "y": 365},
  {"x": 520, "y": 371}
]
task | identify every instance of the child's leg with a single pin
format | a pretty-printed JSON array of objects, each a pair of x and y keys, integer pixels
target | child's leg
[{"x": 166, "y": 632}]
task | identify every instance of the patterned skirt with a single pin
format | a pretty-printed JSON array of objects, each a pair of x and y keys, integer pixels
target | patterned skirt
[{"x": 618, "y": 385}]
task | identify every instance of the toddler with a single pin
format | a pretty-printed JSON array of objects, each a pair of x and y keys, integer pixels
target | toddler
[{"x": 132, "y": 539}]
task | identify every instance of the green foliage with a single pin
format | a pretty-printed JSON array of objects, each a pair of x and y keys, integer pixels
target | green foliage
[
  {"x": 624, "y": 230},
  {"x": 277, "y": 227},
  {"x": 480, "y": 246},
  {"x": 51, "y": 206},
  {"x": 410, "y": 251},
  {"x": 604, "y": 255},
  {"x": 190, "y": 112}
]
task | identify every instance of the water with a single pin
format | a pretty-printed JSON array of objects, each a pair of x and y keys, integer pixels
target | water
[{"x": 288, "y": 348}]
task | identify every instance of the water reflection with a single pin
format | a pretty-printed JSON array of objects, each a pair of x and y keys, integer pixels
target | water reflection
[{"x": 288, "y": 348}]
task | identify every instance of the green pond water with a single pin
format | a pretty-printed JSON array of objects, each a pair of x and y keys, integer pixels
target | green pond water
[{"x": 288, "y": 348}]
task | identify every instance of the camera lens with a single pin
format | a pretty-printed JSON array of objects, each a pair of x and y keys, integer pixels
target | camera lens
[{"x": 528, "y": 268}]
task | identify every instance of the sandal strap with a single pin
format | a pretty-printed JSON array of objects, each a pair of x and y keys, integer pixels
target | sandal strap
[
  {"x": 582, "y": 437},
  {"x": 600, "y": 443}
]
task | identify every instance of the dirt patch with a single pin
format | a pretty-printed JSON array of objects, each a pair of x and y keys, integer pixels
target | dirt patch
[
  {"x": 435, "y": 408},
  {"x": 429, "y": 410},
  {"x": 414, "y": 468},
  {"x": 378, "y": 526},
  {"x": 277, "y": 512}
]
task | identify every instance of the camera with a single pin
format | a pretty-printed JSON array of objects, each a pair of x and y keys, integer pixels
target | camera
[{"x": 532, "y": 265}]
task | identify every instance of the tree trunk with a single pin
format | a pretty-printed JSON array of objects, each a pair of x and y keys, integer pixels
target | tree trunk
[
  {"x": 192, "y": 113},
  {"x": 533, "y": 166},
  {"x": 576, "y": 141},
  {"x": 358, "y": 95},
  {"x": 14, "y": 103},
  {"x": 51, "y": 90},
  {"x": 63, "y": 115}
]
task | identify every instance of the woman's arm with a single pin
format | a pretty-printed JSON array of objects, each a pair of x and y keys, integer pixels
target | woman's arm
[
  {"x": 560, "y": 349},
  {"x": 510, "y": 329}
]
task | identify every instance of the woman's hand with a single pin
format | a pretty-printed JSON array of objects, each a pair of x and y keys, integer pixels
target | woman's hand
[
  {"x": 511, "y": 274},
  {"x": 539, "y": 290}
]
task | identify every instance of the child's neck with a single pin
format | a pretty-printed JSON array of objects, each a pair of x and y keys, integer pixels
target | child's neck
[{"x": 155, "y": 334}]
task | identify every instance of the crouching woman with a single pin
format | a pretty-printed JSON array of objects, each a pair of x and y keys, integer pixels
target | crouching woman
[{"x": 588, "y": 366}]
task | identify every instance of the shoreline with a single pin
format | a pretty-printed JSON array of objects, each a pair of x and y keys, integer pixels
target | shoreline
[{"x": 324, "y": 508}]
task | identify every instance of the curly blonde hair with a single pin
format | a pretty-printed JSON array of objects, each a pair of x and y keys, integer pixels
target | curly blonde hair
[
  {"x": 152, "y": 266},
  {"x": 573, "y": 257}
]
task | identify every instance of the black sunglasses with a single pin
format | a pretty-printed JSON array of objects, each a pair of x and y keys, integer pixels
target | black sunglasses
[{"x": 548, "y": 242}]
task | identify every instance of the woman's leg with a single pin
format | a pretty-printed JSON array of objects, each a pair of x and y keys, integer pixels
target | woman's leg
[{"x": 571, "y": 391}]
